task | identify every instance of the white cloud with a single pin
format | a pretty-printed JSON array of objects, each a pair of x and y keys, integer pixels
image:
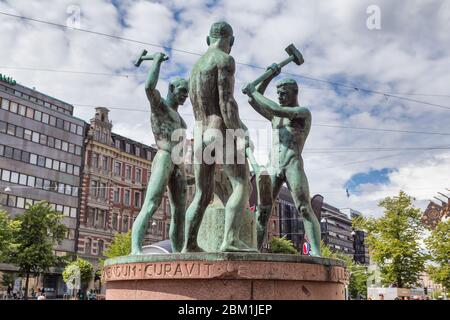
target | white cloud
[{"x": 409, "y": 54}]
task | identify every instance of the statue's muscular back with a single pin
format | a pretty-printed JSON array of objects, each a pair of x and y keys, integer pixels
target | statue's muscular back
[{"x": 203, "y": 88}]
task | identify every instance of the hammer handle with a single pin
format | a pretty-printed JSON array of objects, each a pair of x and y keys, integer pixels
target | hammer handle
[{"x": 269, "y": 73}]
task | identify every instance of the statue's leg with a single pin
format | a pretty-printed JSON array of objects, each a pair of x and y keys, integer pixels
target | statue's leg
[
  {"x": 263, "y": 212},
  {"x": 204, "y": 191},
  {"x": 235, "y": 206},
  {"x": 177, "y": 197},
  {"x": 161, "y": 169},
  {"x": 298, "y": 185}
]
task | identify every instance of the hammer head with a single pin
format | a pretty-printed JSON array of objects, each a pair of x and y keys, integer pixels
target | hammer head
[
  {"x": 139, "y": 61},
  {"x": 293, "y": 52}
]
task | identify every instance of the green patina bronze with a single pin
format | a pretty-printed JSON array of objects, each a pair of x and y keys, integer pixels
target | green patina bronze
[
  {"x": 211, "y": 87},
  {"x": 165, "y": 120},
  {"x": 292, "y": 124}
]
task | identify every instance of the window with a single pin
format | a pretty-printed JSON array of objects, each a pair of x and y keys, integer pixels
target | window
[
  {"x": 100, "y": 223},
  {"x": 117, "y": 143},
  {"x": 55, "y": 165},
  {"x": 125, "y": 223},
  {"x": 51, "y": 142},
  {"x": 105, "y": 163},
  {"x": 43, "y": 139},
  {"x": 62, "y": 167},
  {"x": 127, "y": 148},
  {"x": 116, "y": 195},
  {"x": 93, "y": 190},
  {"x": 6, "y": 175},
  {"x": 137, "y": 199},
  {"x": 66, "y": 126},
  {"x": 87, "y": 246},
  {"x": 57, "y": 144},
  {"x": 39, "y": 183},
  {"x": 3, "y": 126},
  {"x": 78, "y": 150},
  {"x": 11, "y": 201},
  {"x": 35, "y": 137},
  {"x": 73, "y": 212},
  {"x": 27, "y": 134},
  {"x": 114, "y": 221},
  {"x": 25, "y": 156},
  {"x": 59, "y": 123},
  {"x": 13, "y": 107},
  {"x": 94, "y": 161},
  {"x": 66, "y": 211},
  {"x": 41, "y": 161},
  {"x": 70, "y": 168},
  {"x": 37, "y": 115},
  {"x": 102, "y": 190},
  {"x": 8, "y": 152},
  {"x": 17, "y": 154},
  {"x": 5, "y": 104},
  {"x": 76, "y": 170},
  {"x": 127, "y": 197},
  {"x": 100, "y": 247},
  {"x": 73, "y": 128},
  {"x": 14, "y": 177},
  {"x": 137, "y": 151},
  {"x": 127, "y": 172},
  {"x": 23, "y": 179},
  {"x": 61, "y": 188},
  {"x": 65, "y": 146},
  {"x": 31, "y": 181},
  {"x": 138, "y": 175},
  {"x": 22, "y": 110},
  {"x": 117, "y": 168},
  {"x": 30, "y": 113},
  {"x": 45, "y": 118},
  {"x": 52, "y": 121},
  {"x": 80, "y": 130},
  {"x": 71, "y": 148},
  {"x": 11, "y": 129},
  {"x": 20, "y": 202},
  {"x": 74, "y": 191},
  {"x": 48, "y": 163}
]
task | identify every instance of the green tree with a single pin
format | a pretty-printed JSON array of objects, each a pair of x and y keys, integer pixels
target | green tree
[
  {"x": 393, "y": 241},
  {"x": 438, "y": 244},
  {"x": 39, "y": 230},
  {"x": 7, "y": 227},
  {"x": 282, "y": 245},
  {"x": 120, "y": 246},
  {"x": 358, "y": 273},
  {"x": 80, "y": 270}
]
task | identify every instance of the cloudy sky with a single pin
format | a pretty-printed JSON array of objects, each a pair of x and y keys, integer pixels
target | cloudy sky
[{"x": 405, "y": 53}]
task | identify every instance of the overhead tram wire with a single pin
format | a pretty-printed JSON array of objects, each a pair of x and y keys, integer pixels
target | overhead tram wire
[
  {"x": 240, "y": 63},
  {"x": 266, "y": 121}
]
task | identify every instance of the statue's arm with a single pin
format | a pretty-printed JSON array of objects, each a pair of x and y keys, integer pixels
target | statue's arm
[
  {"x": 272, "y": 108},
  {"x": 153, "y": 94},
  {"x": 228, "y": 106}
]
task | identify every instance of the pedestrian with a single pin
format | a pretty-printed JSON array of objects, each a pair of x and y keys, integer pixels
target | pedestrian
[{"x": 8, "y": 291}]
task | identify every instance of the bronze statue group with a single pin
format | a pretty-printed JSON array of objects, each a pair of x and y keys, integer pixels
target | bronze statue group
[{"x": 211, "y": 90}]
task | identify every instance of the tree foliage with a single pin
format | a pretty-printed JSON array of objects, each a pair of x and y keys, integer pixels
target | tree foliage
[
  {"x": 7, "y": 227},
  {"x": 282, "y": 245},
  {"x": 80, "y": 267},
  {"x": 438, "y": 243},
  {"x": 358, "y": 273},
  {"x": 37, "y": 231},
  {"x": 393, "y": 241},
  {"x": 120, "y": 246}
]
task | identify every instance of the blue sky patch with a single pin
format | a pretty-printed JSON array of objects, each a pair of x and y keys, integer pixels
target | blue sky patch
[{"x": 371, "y": 177}]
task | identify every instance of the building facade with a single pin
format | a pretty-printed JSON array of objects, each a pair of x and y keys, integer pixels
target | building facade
[
  {"x": 41, "y": 153},
  {"x": 115, "y": 177}
]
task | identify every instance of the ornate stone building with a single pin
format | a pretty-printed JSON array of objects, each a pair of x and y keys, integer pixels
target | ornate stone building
[{"x": 115, "y": 176}]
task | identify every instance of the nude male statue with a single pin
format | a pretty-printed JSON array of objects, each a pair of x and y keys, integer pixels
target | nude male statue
[
  {"x": 292, "y": 124},
  {"x": 211, "y": 87},
  {"x": 165, "y": 120}
]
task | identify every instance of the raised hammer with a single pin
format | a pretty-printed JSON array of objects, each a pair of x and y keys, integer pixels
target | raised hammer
[
  {"x": 144, "y": 56},
  {"x": 294, "y": 55}
]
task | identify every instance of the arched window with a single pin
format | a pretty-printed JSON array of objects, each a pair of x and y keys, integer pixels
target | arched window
[{"x": 101, "y": 245}]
